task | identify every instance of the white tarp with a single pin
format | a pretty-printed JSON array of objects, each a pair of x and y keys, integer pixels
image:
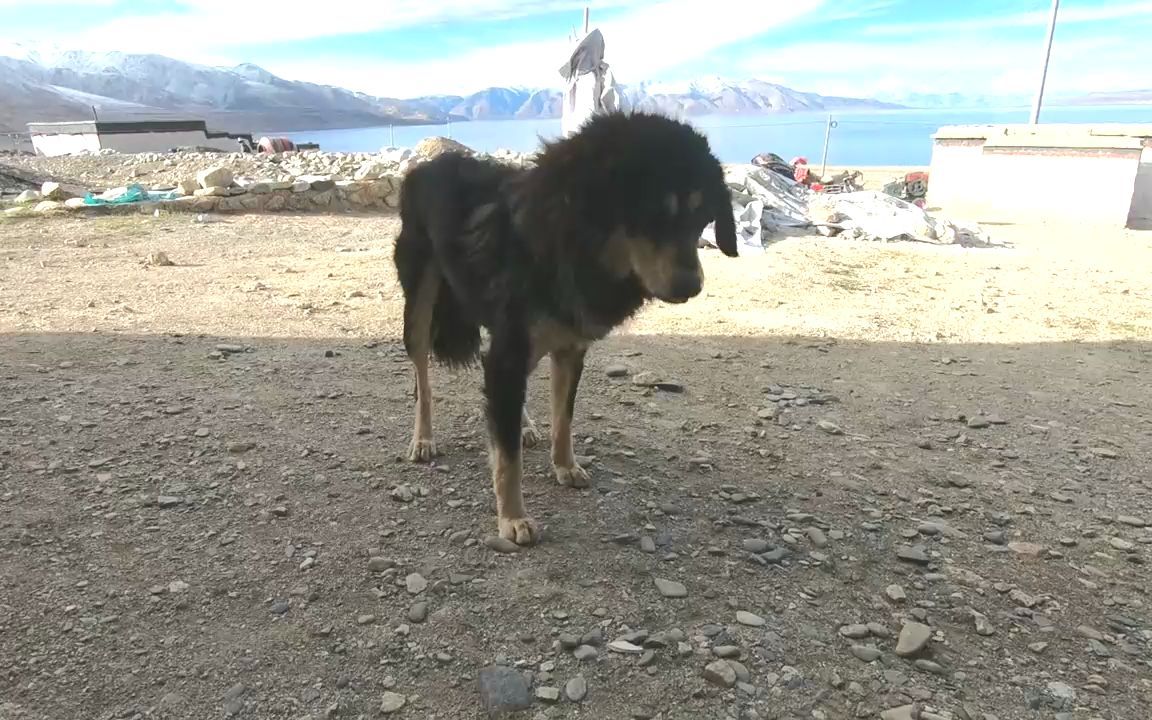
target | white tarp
[
  {"x": 590, "y": 86},
  {"x": 767, "y": 204}
]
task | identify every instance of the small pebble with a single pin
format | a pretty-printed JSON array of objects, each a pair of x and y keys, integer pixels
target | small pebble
[
  {"x": 721, "y": 673},
  {"x": 418, "y": 613},
  {"x": 914, "y": 637},
  {"x": 576, "y": 688}
]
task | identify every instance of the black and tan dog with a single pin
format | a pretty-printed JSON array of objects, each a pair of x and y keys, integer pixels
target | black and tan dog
[{"x": 549, "y": 259}]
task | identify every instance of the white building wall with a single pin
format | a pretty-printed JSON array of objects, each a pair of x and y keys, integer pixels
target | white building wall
[
  {"x": 1141, "y": 213},
  {"x": 53, "y": 145}
]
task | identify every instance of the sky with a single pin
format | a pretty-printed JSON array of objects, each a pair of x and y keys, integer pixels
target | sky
[{"x": 406, "y": 48}]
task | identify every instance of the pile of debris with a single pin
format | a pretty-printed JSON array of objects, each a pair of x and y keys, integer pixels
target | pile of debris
[{"x": 770, "y": 205}]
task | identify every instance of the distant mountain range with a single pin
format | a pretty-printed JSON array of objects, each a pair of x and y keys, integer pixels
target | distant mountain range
[{"x": 66, "y": 85}]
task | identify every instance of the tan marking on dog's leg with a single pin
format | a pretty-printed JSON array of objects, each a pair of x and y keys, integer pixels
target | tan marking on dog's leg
[
  {"x": 512, "y": 523},
  {"x": 529, "y": 435},
  {"x": 423, "y": 447},
  {"x": 565, "y": 376}
]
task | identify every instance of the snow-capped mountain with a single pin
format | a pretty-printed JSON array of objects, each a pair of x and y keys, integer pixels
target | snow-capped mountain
[
  {"x": 709, "y": 96},
  {"x": 240, "y": 97},
  {"x": 47, "y": 84}
]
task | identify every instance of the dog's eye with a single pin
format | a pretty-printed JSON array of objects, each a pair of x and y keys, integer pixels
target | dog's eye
[{"x": 671, "y": 203}]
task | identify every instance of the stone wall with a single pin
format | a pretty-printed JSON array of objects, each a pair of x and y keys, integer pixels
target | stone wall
[{"x": 216, "y": 191}]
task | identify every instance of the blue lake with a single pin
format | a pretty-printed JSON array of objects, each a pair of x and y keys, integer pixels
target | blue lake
[{"x": 890, "y": 137}]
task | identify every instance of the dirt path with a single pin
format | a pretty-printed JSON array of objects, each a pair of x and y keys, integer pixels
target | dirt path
[{"x": 946, "y": 446}]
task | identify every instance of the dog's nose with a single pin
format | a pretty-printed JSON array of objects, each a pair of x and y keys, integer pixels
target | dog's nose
[{"x": 686, "y": 285}]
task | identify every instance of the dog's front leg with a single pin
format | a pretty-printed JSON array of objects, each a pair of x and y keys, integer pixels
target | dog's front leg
[
  {"x": 505, "y": 387},
  {"x": 567, "y": 367}
]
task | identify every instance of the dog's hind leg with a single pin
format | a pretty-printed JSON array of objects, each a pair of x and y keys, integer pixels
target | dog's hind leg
[
  {"x": 506, "y": 369},
  {"x": 418, "y": 309},
  {"x": 567, "y": 368}
]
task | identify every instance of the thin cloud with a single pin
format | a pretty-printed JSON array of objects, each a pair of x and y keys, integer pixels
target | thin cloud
[
  {"x": 948, "y": 64},
  {"x": 642, "y": 41},
  {"x": 1033, "y": 19}
]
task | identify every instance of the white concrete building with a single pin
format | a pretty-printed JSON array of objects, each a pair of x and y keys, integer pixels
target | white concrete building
[
  {"x": 1083, "y": 174},
  {"x": 129, "y": 136}
]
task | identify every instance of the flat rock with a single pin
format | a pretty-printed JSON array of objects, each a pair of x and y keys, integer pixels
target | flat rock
[
  {"x": 625, "y": 647},
  {"x": 503, "y": 690},
  {"x": 829, "y": 427},
  {"x": 498, "y": 544},
  {"x": 379, "y": 564},
  {"x": 670, "y": 588},
  {"x": 218, "y": 176},
  {"x": 914, "y": 637},
  {"x": 415, "y": 583},
  {"x": 902, "y": 712},
  {"x": 755, "y": 545},
  {"x": 391, "y": 702},
  {"x": 917, "y": 554},
  {"x": 750, "y": 619},
  {"x": 867, "y": 653},
  {"x": 1026, "y": 549}
]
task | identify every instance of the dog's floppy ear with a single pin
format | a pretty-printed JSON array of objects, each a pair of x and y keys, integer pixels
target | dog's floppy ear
[{"x": 725, "y": 227}]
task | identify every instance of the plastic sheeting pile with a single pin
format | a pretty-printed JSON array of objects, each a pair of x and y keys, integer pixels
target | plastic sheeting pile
[{"x": 769, "y": 206}]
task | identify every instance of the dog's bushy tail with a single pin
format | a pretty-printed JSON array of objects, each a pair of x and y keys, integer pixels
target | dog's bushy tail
[{"x": 455, "y": 335}]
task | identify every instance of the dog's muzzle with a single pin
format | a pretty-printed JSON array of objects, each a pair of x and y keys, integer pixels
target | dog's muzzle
[{"x": 685, "y": 286}]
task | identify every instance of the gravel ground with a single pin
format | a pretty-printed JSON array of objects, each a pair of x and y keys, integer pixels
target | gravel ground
[{"x": 883, "y": 481}]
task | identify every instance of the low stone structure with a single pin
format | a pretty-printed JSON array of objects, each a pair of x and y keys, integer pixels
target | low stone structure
[{"x": 289, "y": 182}]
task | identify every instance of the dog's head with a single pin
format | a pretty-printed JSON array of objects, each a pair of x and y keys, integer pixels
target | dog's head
[{"x": 656, "y": 187}]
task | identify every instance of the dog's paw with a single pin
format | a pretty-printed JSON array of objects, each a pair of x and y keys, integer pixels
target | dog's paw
[
  {"x": 574, "y": 476},
  {"x": 522, "y": 531},
  {"x": 529, "y": 436},
  {"x": 421, "y": 450}
]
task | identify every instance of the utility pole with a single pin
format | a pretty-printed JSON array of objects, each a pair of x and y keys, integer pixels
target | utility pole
[{"x": 1044, "y": 69}]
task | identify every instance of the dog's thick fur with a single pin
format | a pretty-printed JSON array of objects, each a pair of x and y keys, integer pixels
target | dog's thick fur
[{"x": 549, "y": 259}]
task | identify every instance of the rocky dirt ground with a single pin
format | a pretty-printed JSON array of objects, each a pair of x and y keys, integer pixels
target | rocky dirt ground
[{"x": 881, "y": 481}]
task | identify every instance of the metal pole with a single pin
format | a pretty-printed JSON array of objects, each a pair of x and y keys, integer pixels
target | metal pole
[
  {"x": 586, "y": 12},
  {"x": 1047, "y": 55},
  {"x": 827, "y": 135},
  {"x": 449, "y": 127},
  {"x": 391, "y": 136}
]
